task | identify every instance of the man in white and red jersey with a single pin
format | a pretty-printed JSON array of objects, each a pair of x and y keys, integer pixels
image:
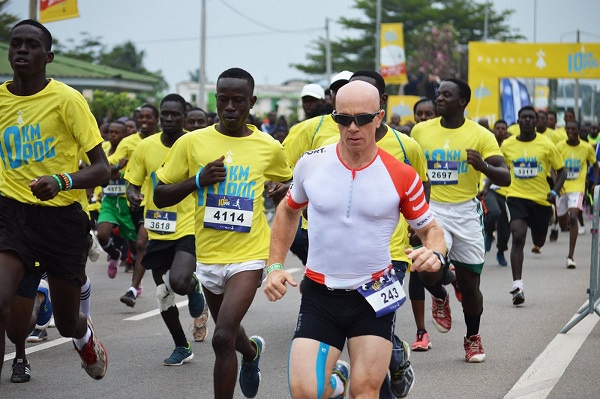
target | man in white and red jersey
[{"x": 355, "y": 193}]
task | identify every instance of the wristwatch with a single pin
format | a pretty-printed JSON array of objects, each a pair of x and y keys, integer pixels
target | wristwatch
[{"x": 443, "y": 258}]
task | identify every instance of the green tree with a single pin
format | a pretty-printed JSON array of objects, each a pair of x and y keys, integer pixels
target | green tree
[
  {"x": 88, "y": 48},
  {"x": 109, "y": 106},
  {"x": 7, "y": 21},
  {"x": 358, "y": 52},
  {"x": 124, "y": 56}
]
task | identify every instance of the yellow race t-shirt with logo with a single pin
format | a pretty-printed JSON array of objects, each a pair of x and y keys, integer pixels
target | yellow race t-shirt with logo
[
  {"x": 166, "y": 224},
  {"x": 529, "y": 163},
  {"x": 309, "y": 135},
  {"x": 231, "y": 226},
  {"x": 452, "y": 179},
  {"x": 577, "y": 160},
  {"x": 42, "y": 135}
]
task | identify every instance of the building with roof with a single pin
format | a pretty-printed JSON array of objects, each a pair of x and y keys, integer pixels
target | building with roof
[{"x": 85, "y": 76}]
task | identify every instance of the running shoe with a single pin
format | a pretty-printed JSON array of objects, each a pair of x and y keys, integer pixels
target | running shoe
[
  {"x": 518, "y": 296},
  {"x": 440, "y": 310},
  {"x": 553, "y": 235},
  {"x": 45, "y": 313},
  {"x": 196, "y": 299},
  {"x": 581, "y": 230},
  {"x": 200, "y": 327},
  {"x": 342, "y": 370},
  {"x": 403, "y": 379},
  {"x": 249, "y": 372},
  {"x": 501, "y": 259},
  {"x": 536, "y": 250},
  {"x": 112, "y": 265},
  {"x": 93, "y": 356},
  {"x": 94, "y": 250},
  {"x": 37, "y": 335},
  {"x": 128, "y": 299},
  {"x": 180, "y": 355},
  {"x": 473, "y": 349},
  {"x": 571, "y": 263},
  {"x": 422, "y": 342},
  {"x": 21, "y": 371},
  {"x": 489, "y": 238}
]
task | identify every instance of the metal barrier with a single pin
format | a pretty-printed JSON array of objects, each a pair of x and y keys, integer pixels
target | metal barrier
[{"x": 594, "y": 295}]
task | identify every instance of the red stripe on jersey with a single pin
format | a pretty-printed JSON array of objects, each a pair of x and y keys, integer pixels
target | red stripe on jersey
[
  {"x": 314, "y": 276},
  {"x": 293, "y": 204},
  {"x": 408, "y": 186}
]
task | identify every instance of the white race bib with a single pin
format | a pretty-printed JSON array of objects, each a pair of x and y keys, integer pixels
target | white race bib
[
  {"x": 385, "y": 294},
  {"x": 525, "y": 169},
  {"x": 115, "y": 187},
  {"x": 160, "y": 221},
  {"x": 227, "y": 212},
  {"x": 443, "y": 172}
]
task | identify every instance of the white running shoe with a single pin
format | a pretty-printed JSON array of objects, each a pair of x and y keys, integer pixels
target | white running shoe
[{"x": 94, "y": 251}]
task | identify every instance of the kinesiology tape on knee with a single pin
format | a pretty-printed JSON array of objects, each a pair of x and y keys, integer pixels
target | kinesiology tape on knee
[
  {"x": 166, "y": 298},
  {"x": 165, "y": 278}
]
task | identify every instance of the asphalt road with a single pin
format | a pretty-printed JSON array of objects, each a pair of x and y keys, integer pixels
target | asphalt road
[{"x": 513, "y": 338}]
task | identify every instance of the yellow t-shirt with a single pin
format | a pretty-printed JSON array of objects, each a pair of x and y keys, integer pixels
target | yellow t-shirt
[
  {"x": 309, "y": 135},
  {"x": 560, "y": 134},
  {"x": 125, "y": 148},
  {"x": 529, "y": 163},
  {"x": 577, "y": 160},
  {"x": 42, "y": 135},
  {"x": 231, "y": 226},
  {"x": 164, "y": 224},
  {"x": 452, "y": 178}
]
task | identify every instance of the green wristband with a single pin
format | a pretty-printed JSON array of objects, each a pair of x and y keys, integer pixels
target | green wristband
[
  {"x": 274, "y": 266},
  {"x": 60, "y": 186}
]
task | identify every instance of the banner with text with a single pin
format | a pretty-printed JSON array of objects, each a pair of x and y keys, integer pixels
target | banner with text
[
  {"x": 392, "y": 57},
  {"x": 56, "y": 10},
  {"x": 490, "y": 62}
]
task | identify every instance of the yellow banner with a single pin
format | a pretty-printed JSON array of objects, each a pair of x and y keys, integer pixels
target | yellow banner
[
  {"x": 392, "y": 57},
  {"x": 490, "y": 62},
  {"x": 56, "y": 10},
  {"x": 403, "y": 106}
]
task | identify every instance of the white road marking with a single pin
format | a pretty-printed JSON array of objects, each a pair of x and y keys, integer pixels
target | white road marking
[
  {"x": 543, "y": 374},
  {"x": 40, "y": 347},
  {"x": 142, "y": 316}
]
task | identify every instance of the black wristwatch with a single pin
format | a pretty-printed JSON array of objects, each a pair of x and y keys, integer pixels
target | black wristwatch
[{"x": 443, "y": 259}]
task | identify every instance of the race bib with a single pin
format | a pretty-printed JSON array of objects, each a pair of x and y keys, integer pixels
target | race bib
[
  {"x": 572, "y": 173},
  {"x": 227, "y": 212},
  {"x": 385, "y": 294},
  {"x": 115, "y": 187},
  {"x": 160, "y": 221},
  {"x": 443, "y": 172},
  {"x": 525, "y": 170}
]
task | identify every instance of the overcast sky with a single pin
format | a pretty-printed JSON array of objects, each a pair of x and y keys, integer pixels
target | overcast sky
[{"x": 265, "y": 36}]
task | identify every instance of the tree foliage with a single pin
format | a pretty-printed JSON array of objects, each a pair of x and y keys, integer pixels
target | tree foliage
[
  {"x": 418, "y": 16},
  {"x": 124, "y": 56},
  {"x": 7, "y": 21},
  {"x": 109, "y": 106}
]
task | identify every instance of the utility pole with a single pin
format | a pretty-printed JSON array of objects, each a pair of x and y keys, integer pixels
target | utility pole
[
  {"x": 33, "y": 9},
  {"x": 576, "y": 90},
  {"x": 377, "y": 34},
  {"x": 202, "y": 68},
  {"x": 328, "y": 66}
]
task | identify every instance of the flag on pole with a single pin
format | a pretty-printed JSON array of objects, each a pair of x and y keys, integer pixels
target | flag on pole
[
  {"x": 391, "y": 54},
  {"x": 56, "y": 10}
]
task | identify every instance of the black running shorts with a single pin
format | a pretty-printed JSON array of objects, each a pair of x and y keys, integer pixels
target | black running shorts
[
  {"x": 332, "y": 316},
  {"x": 54, "y": 236}
]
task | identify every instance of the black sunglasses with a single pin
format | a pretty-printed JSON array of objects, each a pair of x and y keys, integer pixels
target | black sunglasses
[{"x": 360, "y": 119}]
